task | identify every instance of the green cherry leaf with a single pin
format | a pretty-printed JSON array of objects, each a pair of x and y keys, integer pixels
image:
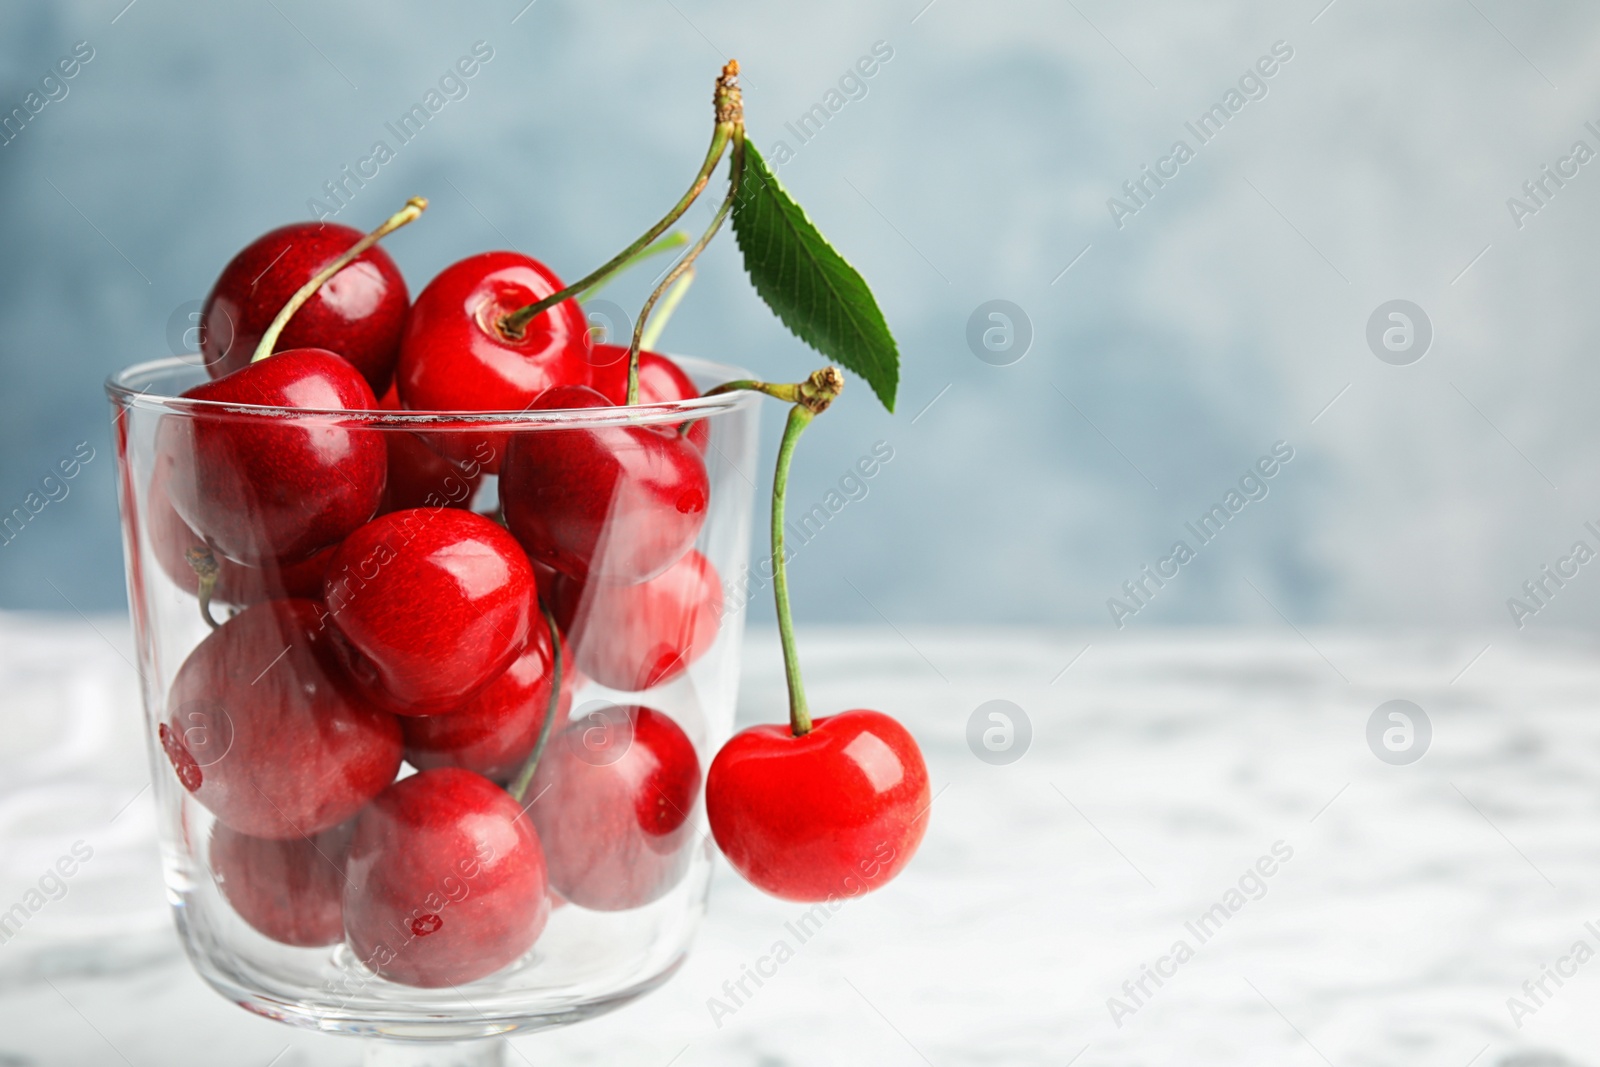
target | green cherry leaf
[{"x": 821, "y": 298}]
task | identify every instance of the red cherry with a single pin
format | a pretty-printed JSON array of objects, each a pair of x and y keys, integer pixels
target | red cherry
[
  {"x": 262, "y": 487},
  {"x": 545, "y": 578},
  {"x": 435, "y": 601},
  {"x": 834, "y": 813},
  {"x": 621, "y": 502},
  {"x": 267, "y": 732},
  {"x": 446, "y": 881},
  {"x": 616, "y": 791},
  {"x": 661, "y": 381},
  {"x": 632, "y": 637},
  {"x": 420, "y": 477},
  {"x": 291, "y": 891},
  {"x": 455, "y": 357},
  {"x": 237, "y": 584},
  {"x": 359, "y": 313},
  {"x": 494, "y": 732}
]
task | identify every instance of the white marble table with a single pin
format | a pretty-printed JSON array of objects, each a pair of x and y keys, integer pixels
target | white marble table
[{"x": 1163, "y": 766}]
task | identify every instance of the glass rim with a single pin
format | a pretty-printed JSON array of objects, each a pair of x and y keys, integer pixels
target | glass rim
[{"x": 123, "y": 389}]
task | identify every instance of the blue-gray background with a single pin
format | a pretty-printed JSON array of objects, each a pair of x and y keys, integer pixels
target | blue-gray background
[{"x": 1224, "y": 316}]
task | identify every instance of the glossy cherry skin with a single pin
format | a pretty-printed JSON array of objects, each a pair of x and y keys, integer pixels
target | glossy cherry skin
[
  {"x": 237, "y": 584},
  {"x": 623, "y": 503},
  {"x": 454, "y": 356},
  {"x": 494, "y": 732},
  {"x": 421, "y": 477},
  {"x": 617, "y": 820},
  {"x": 434, "y": 603},
  {"x": 291, "y": 891},
  {"x": 446, "y": 881},
  {"x": 262, "y": 487},
  {"x": 632, "y": 637},
  {"x": 266, "y": 731},
  {"x": 660, "y": 381},
  {"x": 833, "y": 814},
  {"x": 359, "y": 313}
]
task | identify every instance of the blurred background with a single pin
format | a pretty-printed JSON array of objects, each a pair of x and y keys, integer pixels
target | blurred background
[
  {"x": 1154, "y": 341},
  {"x": 1265, "y": 316}
]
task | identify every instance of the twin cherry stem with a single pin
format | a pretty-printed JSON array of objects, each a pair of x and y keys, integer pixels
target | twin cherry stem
[
  {"x": 728, "y": 101},
  {"x": 519, "y": 787},
  {"x": 410, "y": 213},
  {"x": 675, "y": 239},
  {"x": 674, "y": 297},
  {"x": 809, "y": 398},
  {"x": 684, "y": 265}
]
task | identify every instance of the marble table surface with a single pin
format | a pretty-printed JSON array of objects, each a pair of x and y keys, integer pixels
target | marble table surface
[{"x": 1201, "y": 806}]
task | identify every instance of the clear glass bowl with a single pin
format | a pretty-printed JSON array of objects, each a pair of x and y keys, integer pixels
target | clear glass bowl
[{"x": 585, "y": 961}]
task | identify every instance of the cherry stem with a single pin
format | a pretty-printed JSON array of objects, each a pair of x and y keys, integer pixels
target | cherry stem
[
  {"x": 410, "y": 213},
  {"x": 827, "y": 383},
  {"x": 205, "y": 568},
  {"x": 816, "y": 392},
  {"x": 675, "y": 239},
  {"x": 674, "y": 297},
  {"x": 524, "y": 779},
  {"x": 685, "y": 264},
  {"x": 514, "y": 324}
]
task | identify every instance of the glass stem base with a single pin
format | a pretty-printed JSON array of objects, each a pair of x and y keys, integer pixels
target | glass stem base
[{"x": 483, "y": 1053}]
